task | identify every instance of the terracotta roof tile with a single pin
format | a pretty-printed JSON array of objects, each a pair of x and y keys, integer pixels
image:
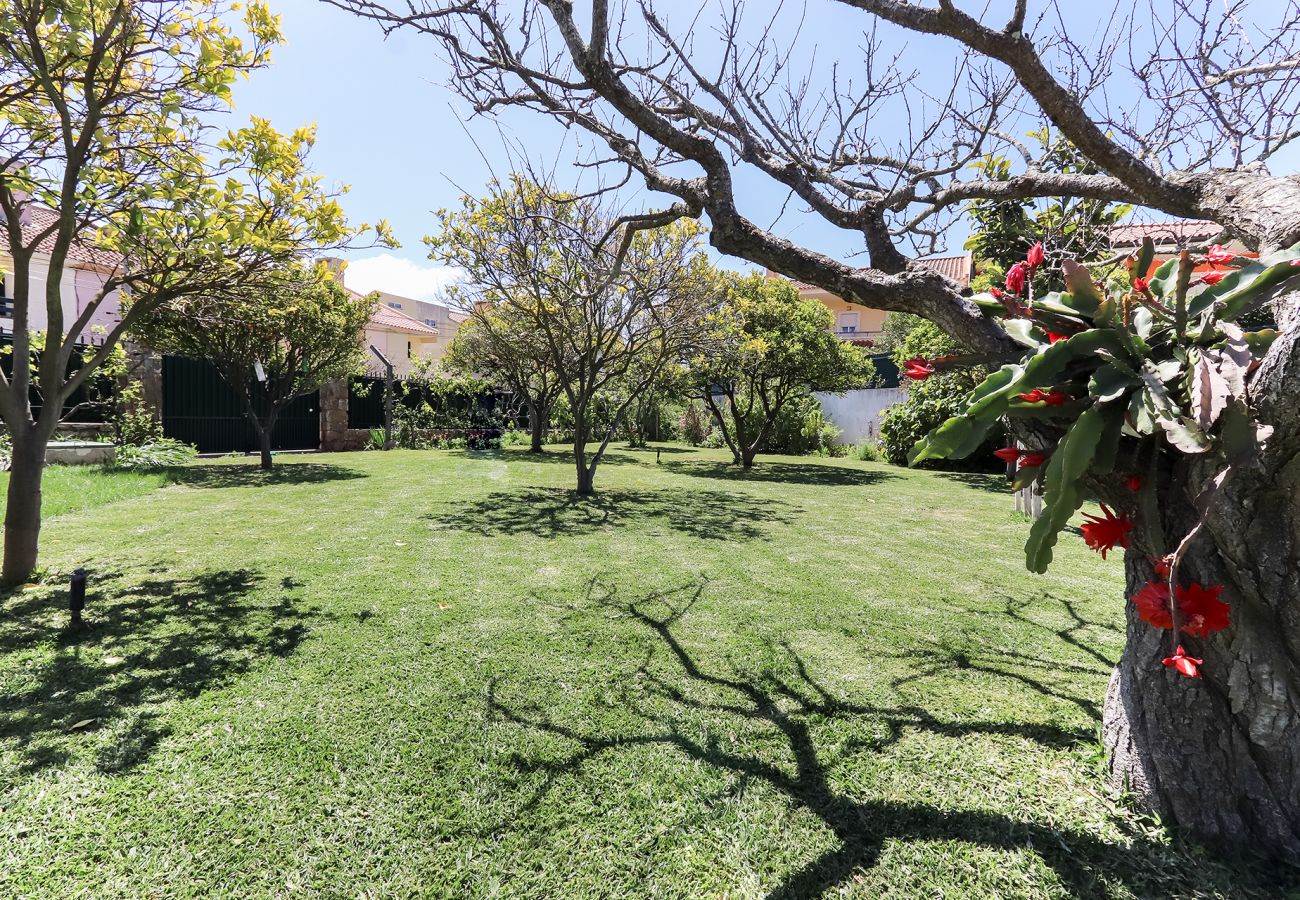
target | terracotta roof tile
[
  {"x": 956, "y": 268},
  {"x": 1177, "y": 231},
  {"x": 40, "y": 218},
  {"x": 396, "y": 320}
]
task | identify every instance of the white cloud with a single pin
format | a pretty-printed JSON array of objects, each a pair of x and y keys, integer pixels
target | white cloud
[{"x": 399, "y": 276}]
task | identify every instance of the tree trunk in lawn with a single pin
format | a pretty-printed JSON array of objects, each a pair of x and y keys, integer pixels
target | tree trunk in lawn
[
  {"x": 23, "y": 504},
  {"x": 1220, "y": 755},
  {"x": 263, "y": 429},
  {"x": 536, "y": 427},
  {"x": 747, "y": 455}
]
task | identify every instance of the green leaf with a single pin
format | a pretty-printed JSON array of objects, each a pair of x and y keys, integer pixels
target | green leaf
[
  {"x": 1144, "y": 258},
  {"x": 1109, "y": 382},
  {"x": 1062, "y": 489},
  {"x": 1242, "y": 289},
  {"x": 960, "y": 435}
]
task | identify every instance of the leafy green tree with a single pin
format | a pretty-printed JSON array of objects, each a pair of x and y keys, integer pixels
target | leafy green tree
[
  {"x": 500, "y": 344},
  {"x": 767, "y": 345},
  {"x": 272, "y": 340},
  {"x": 107, "y": 113},
  {"x": 930, "y": 402},
  {"x": 615, "y": 306},
  {"x": 1076, "y": 228}
]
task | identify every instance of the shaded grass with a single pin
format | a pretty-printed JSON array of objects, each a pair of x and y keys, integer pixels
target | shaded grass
[
  {"x": 450, "y": 677},
  {"x": 67, "y": 489}
]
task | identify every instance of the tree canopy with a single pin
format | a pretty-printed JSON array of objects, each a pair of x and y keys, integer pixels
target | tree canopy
[{"x": 764, "y": 346}]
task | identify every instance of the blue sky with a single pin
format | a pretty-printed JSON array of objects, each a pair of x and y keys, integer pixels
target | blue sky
[{"x": 389, "y": 128}]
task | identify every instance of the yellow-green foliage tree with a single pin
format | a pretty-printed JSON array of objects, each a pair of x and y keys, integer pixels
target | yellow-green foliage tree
[
  {"x": 614, "y": 306},
  {"x": 106, "y": 112},
  {"x": 272, "y": 339},
  {"x": 767, "y": 345}
]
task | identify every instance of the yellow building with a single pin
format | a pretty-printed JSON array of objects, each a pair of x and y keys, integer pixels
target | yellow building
[{"x": 862, "y": 325}]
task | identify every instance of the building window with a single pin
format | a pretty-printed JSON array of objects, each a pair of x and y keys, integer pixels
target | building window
[
  {"x": 408, "y": 350},
  {"x": 847, "y": 322},
  {"x": 395, "y": 305},
  {"x": 432, "y": 323}
]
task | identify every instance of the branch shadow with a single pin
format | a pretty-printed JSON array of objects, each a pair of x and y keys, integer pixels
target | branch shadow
[
  {"x": 556, "y": 512},
  {"x": 226, "y": 476},
  {"x": 144, "y": 644},
  {"x": 791, "y": 473},
  {"x": 789, "y": 706},
  {"x": 994, "y": 483}
]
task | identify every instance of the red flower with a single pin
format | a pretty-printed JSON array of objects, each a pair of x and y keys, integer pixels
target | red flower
[
  {"x": 1152, "y": 603},
  {"x": 1017, "y": 278},
  {"x": 1203, "y": 611},
  {"x": 1104, "y": 533},
  {"x": 1133, "y": 483},
  {"x": 1030, "y": 460},
  {"x": 918, "y": 368},
  {"x": 1184, "y": 664},
  {"x": 1296, "y": 263},
  {"x": 1053, "y": 397},
  {"x": 1036, "y": 255},
  {"x": 1219, "y": 255},
  {"x": 1008, "y": 454},
  {"x": 997, "y": 295},
  {"x": 1053, "y": 337},
  {"x": 1212, "y": 277},
  {"x": 1141, "y": 285}
]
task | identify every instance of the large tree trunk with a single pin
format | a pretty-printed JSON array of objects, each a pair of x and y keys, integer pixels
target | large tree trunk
[
  {"x": 537, "y": 416},
  {"x": 1220, "y": 755},
  {"x": 23, "y": 504},
  {"x": 263, "y": 429}
]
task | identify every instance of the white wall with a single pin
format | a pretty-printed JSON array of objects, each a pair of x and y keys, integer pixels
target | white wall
[
  {"x": 858, "y": 413},
  {"x": 78, "y": 288}
]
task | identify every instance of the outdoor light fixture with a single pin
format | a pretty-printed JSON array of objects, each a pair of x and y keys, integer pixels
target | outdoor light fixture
[{"x": 77, "y": 596}]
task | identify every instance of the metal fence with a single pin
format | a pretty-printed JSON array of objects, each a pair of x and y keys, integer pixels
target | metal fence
[{"x": 199, "y": 408}]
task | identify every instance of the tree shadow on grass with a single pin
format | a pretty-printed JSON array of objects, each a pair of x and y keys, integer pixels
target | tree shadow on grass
[
  {"x": 251, "y": 475},
  {"x": 101, "y": 689},
  {"x": 823, "y": 474},
  {"x": 994, "y": 483},
  {"x": 555, "y": 512},
  {"x": 791, "y": 706}
]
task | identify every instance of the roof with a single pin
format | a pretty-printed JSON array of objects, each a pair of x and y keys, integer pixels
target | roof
[
  {"x": 954, "y": 268},
  {"x": 40, "y": 218},
  {"x": 395, "y": 320},
  {"x": 1174, "y": 231}
]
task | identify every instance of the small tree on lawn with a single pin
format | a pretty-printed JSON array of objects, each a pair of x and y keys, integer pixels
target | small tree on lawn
[
  {"x": 765, "y": 346},
  {"x": 272, "y": 340},
  {"x": 614, "y": 305},
  {"x": 499, "y": 343},
  {"x": 106, "y": 125}
]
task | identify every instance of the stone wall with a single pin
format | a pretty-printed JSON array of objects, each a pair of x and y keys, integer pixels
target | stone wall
[{"x": 335, "y": 434}]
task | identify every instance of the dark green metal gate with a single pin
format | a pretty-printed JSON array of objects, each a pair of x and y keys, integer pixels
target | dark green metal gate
[{"x": 199, "y": 408}]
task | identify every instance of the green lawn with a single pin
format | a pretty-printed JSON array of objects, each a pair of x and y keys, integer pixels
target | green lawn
[
  {"x": 441, "y": 674},
  {"x": 70, "y": 488}
]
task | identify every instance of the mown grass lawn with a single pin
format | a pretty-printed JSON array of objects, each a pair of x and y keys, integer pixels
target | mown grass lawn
[{"x": 440, "y": 674}]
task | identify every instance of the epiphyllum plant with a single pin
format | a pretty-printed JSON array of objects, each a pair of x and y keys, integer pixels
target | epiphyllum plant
[{"x": 1110, "y": 387}]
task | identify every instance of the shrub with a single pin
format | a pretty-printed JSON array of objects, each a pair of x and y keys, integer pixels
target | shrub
[
  {"x": 514, "y": 438},
  {"x": 160, "y": 454},
  {"x": 801, "y": 428},
  {"x": 867, "y": 452},
  {"x": 694, "y": 423}
]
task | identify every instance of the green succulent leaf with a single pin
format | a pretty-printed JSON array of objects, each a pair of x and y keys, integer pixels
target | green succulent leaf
[{"x": 1063, "y": 485}]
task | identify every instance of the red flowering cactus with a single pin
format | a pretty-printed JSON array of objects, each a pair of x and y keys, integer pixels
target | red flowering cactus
[
  {"x": 918, "y": 368},
  {"x": 1106, "y": 532},
  {"x": 1008, "y": 454},
  {"x": 1156, "y": 368},
  {"x": 1017, "y": 278},
  {"x": 1183, "y": 664},
  {"x": 1219, "y": 255}
]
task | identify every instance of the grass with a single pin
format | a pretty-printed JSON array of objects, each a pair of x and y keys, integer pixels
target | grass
[
  {"x": 70, "y": 488},
  {"x": 442, "y": 674}
]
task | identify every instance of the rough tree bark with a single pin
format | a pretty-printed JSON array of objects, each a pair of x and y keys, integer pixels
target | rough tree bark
[
  {"x": 23, "y": 502},
  {"x": 537, "y": 416}
]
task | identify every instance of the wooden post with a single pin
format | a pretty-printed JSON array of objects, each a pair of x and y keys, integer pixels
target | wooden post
[{"x": 388, "y": 397}]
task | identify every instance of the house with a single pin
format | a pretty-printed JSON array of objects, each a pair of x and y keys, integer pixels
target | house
[
  {"x": 1171, "y": 238},
  {"x": 84, "y": 275},
  {"x": 435, "y": 315},
  {"x": 861, "y": 325},
  {"x": 399, "y": 337},
  {"x": 858, "y": 414}
]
